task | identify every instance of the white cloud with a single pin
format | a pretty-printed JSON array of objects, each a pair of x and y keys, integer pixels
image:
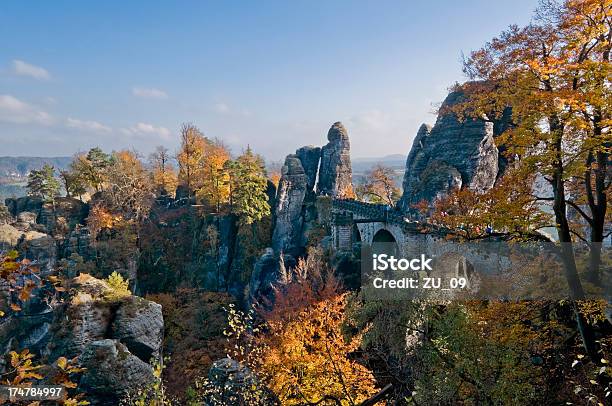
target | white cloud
[
  {"x": 143, "y": 129},
  {"x": 13, "y": 110},
  {"x": 222, "y": 108},
  {"x": 22, "y": 68},
  {"x": 87, "y": 125},
  {"x": 149, "y": 93}
]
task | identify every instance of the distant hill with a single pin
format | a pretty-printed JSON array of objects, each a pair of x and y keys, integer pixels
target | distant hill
[
  {"x": 361, "y": 167},
  {"x": 395, "y": 161},
  {"x": 20, "y": 166},
  {"x": 14, "y": 172}
]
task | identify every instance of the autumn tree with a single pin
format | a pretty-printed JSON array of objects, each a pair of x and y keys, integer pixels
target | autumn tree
[
  {"x": 379, "y": 186},
  {"x": 306, "y": 357},
  {"x": 509, "y": 208},
  {"x": 248, "y": 185},
  {"x": 123, "y": 207},
  {"x": 554, "y": 74},
  {"x": 129, "y": 191},
  {"x": 190, "y": 155},
  {"x": 274, "y": 173},
  {"x": 42, "y": 183},
  {"x": 162, "y": 172},
  {"x": 212, "y": 175}
]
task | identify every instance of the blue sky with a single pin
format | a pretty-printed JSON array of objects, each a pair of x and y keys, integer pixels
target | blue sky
[{"x": 273, "y": 75}]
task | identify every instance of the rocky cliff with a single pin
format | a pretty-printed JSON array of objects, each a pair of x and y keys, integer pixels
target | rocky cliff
[
  {"x": 113, "y": 337},
  {"x": 454, "y": 153},
  {"x": 292, "y": 188},
  {"x": 310, "y": 172},
  {"x": 335, "y": 174},
  {"x": 306, "y": 176}
]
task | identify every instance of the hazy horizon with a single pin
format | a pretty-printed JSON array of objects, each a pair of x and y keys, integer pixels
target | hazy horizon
[{"x": 271, "y": 75}]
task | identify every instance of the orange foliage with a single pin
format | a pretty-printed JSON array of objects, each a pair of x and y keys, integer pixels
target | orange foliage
[
  {"x": 99, "y": 218},
  {"x": 306, "y": 356},
  {"x": 509, "y": 207}
]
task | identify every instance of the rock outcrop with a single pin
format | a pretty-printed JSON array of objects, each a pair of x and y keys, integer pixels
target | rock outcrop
[
  {"x": 290, "y": 196},
  {"x": 115, "y": 338},
  {"x": 309, "y": 156},
  {"x": 22, "y": 235},
  {"x": 58, "y": 217},
  {"x": 26, "y": 203},
  {"x": 112, "y": 372},
  {"x": 139, "y": 324},
  {"x": 453, "y": 154},
  {"x": 335, "y": 173}
]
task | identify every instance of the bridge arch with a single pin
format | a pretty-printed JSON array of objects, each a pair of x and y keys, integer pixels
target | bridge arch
[
  {"x": 384, "y": 242},
  {"x": 383, "y": 235}
]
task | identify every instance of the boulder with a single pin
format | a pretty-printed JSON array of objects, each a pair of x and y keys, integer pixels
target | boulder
[
  {"x": 453, "y": 154},
  {"x": 114, "y": 338},
  {"x": 292, "y": 190},
  {"x": 139, "y": 324},
  {"x": 112, "y": 372},
  {"x": 9, "y": 237},
  {"x": 228, "y": 373},
  {"x": 265, "y": 272},
  {"x": 335, "y": 173}
]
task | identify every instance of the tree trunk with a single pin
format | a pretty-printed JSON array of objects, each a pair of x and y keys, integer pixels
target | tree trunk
[
  {"x": 565, "y": 239},
  {"x": 597, "y": 201}
]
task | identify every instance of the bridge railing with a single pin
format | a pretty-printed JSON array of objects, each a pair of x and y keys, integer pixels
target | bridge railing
[{"x": 372, "y": 210}]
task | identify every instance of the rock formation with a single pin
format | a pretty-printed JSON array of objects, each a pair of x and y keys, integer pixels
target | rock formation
[
  {"x": 17, "y": 205},
  {"x": 335, "y": 173},
  {"x": 307, "y": 175},
  {"x": 453, "y": 154},
  {"x": 113, "y": 337},
  {"x": 24, "y": 236},
  {"x": 309, "y": 156},
  {"x": 64, "y": 214},
  {"x": 290, "y": 196},
  {"x": 112, "y": 372}
]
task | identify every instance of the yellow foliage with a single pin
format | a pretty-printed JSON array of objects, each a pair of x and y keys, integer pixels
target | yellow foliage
[
  {"x": 119, "y": 287},
  {"x": 304, "y": 355}
]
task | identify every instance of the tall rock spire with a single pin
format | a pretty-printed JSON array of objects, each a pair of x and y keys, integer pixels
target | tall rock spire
[{"x": 335, "y": 173}]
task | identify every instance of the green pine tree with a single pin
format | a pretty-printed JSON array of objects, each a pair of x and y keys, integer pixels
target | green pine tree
[
  {"x": 248, "y": 184},
  {"x": 42, "y": 183}
]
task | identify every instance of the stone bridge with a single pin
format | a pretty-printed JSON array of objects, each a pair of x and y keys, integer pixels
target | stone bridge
[
  {"x": 370, "y": 223},
  {"x": 354, "y": 221}
]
